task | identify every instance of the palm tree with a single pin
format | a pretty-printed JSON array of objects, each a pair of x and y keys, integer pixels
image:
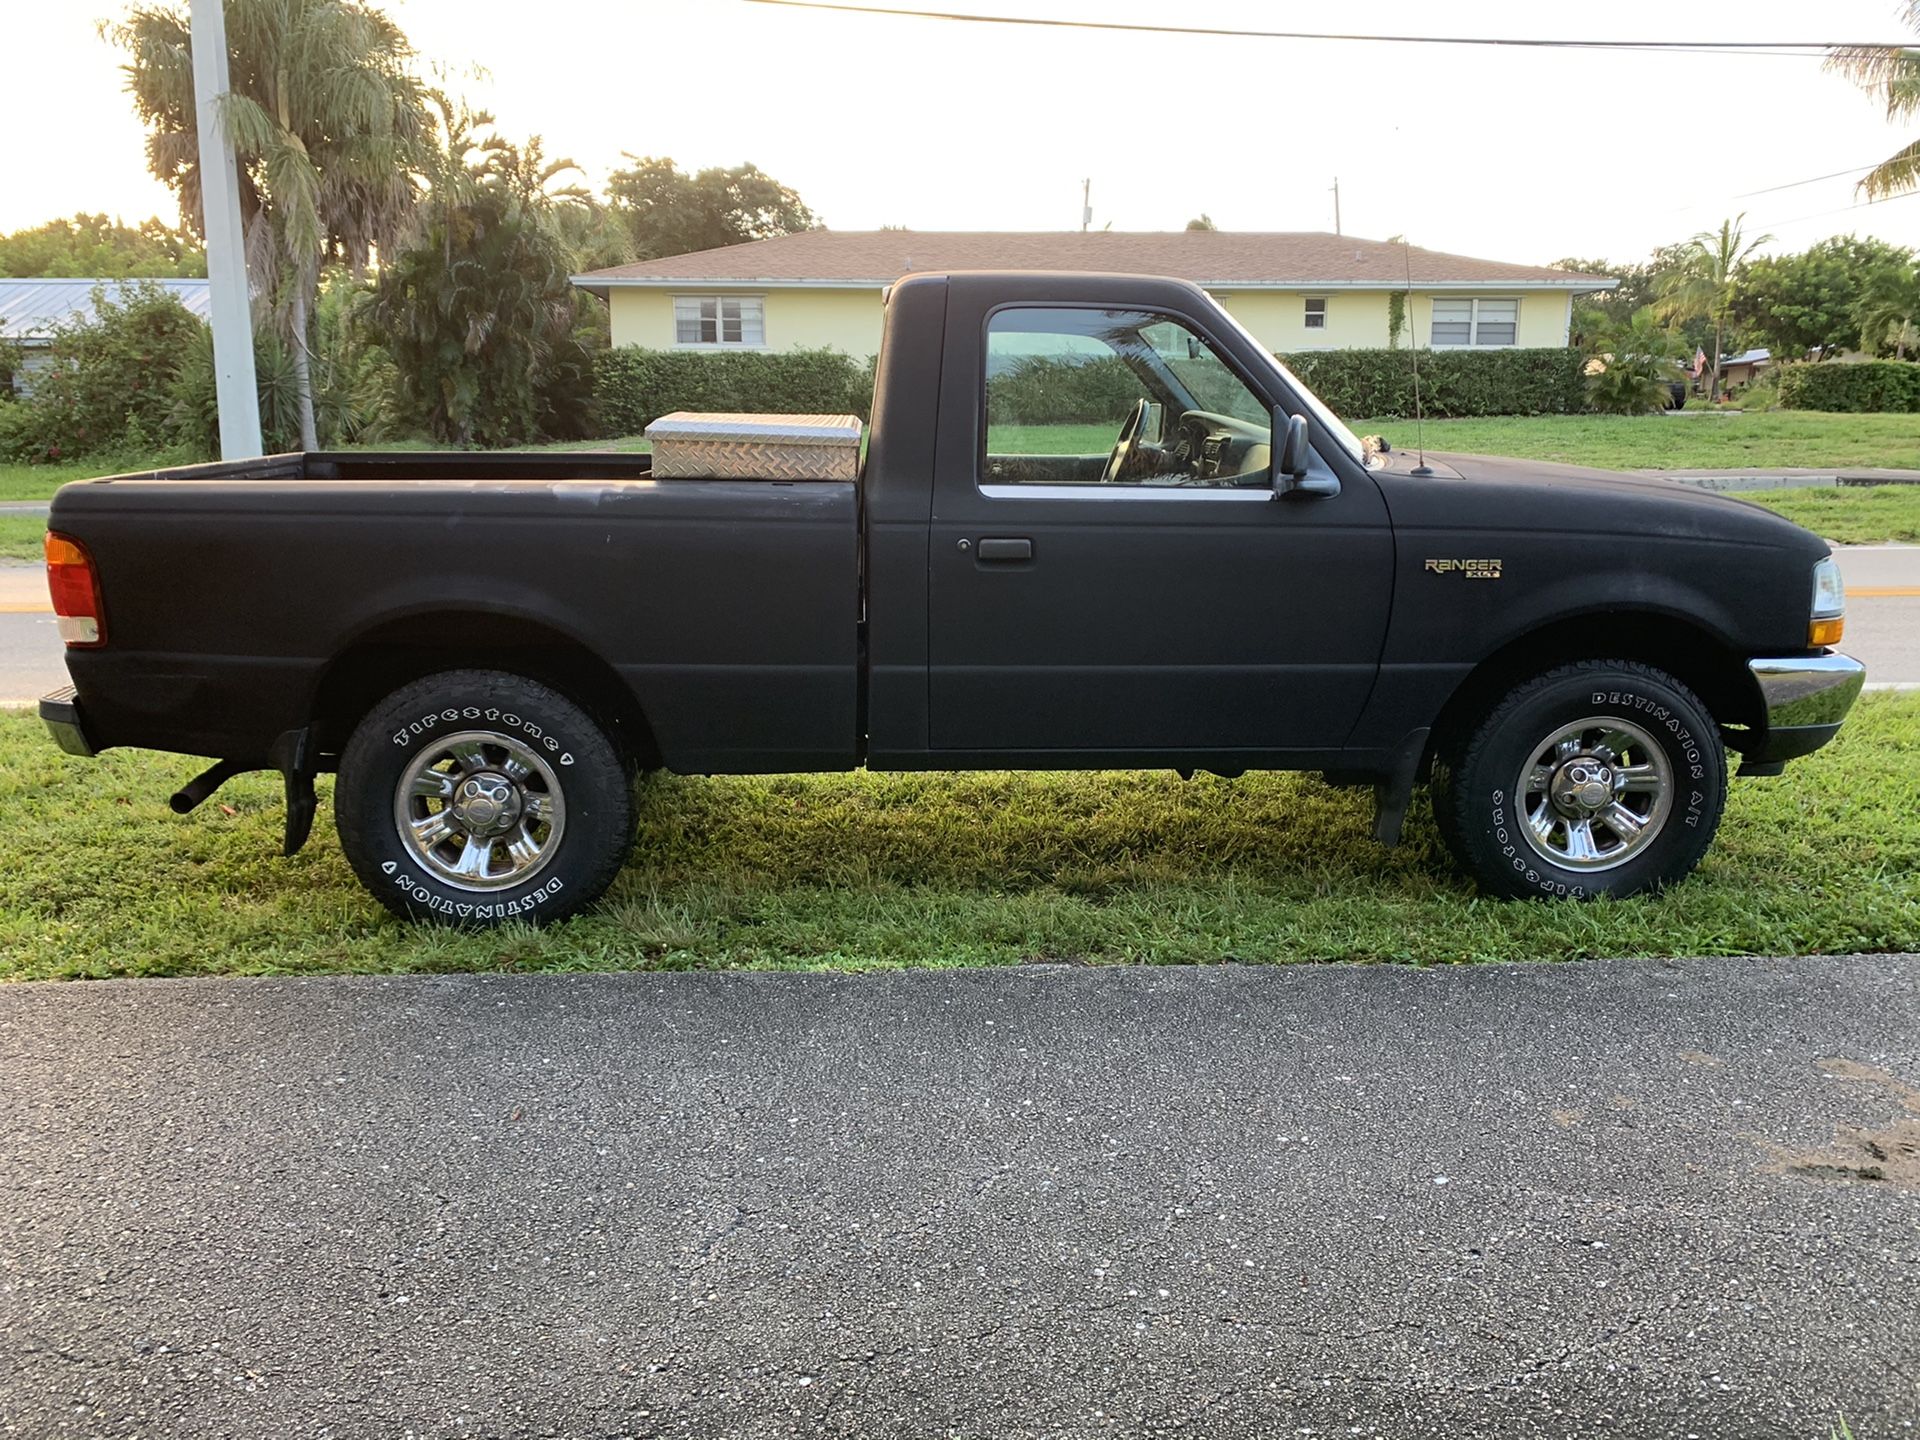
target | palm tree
[
  {"x": 1891, "y": 72},
  {"x": 1636, "y": 363},
  {"x": 1700, "y": 284},
  {"x": 1890, "y": 310},
  {"x": 328, "y": 123}
]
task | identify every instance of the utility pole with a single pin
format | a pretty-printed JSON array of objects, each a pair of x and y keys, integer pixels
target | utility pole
[
  {"x": 226, "y": 247},
  {"x": 1336, "y": 204},
  {"x": 1086, "y": 204}
]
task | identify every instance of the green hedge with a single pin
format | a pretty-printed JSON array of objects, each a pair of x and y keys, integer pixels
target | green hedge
[
  {"x": 1040, "y": 390},
  {"x": 1453, "y": 383},
  {"x": 1892, "y": 385},
  {"x": 633, "y": 387}
]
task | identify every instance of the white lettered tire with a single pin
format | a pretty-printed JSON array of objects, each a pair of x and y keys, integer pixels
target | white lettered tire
[
  {"x": 1602, "y": 777},
  {"x": 475, "y": 797}
]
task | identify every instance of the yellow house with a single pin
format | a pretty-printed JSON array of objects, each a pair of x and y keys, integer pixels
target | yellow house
[{"x": 1294, "y": 291}]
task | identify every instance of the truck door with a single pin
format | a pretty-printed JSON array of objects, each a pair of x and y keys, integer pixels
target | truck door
[{"x": 1109, "y": 570}]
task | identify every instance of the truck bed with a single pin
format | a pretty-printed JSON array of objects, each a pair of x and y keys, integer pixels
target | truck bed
[{"x": 732, "y": 605}]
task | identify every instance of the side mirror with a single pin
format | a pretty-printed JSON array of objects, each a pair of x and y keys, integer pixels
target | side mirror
[{"x": 1296, "y": 451}]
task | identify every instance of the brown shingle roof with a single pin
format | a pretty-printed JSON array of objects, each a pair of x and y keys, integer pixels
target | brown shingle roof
[{"x": 1211, "y": 257}]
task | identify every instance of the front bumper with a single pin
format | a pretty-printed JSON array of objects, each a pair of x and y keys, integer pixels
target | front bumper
[
  {"x": 1806, "y": 697},
  {"x": 60, "y": 713}
]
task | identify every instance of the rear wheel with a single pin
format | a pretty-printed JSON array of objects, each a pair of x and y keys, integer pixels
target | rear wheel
[
  {"x": 475, "y": 797},
  {"x": 1597, "y": 778}
]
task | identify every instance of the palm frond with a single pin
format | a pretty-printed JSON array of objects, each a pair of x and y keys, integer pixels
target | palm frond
[{"x": 1895, "y": 175}]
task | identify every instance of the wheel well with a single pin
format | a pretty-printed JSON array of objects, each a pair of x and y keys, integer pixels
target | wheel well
[
  {"x": 394, "y": 654},
  {"x": 1683, "y": 649}
]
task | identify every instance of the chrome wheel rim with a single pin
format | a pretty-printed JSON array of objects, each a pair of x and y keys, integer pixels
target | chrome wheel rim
[
  {"x": 1595, "y": 793},
  {"x": 479, "y": 810}
]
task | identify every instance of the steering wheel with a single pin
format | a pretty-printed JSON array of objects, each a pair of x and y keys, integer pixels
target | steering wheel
[{"x": 1121, "y": 463}]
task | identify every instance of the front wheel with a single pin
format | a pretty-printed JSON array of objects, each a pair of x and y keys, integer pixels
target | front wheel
[
  {"x": 475, "y": 797},
  {"x": 1597, "y": 778}
]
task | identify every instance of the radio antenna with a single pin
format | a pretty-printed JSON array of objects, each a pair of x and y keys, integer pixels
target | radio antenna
[{"x": 1413, "y": 349}]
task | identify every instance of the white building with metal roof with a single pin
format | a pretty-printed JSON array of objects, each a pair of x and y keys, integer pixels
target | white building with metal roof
[{"x": 30, "y": 310}]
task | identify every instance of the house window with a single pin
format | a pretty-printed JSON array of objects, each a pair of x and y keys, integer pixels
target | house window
[
  {"x": 719, "y": 320},
  {"x": 1317, "y": 314},
  {"x": 1474, "y": 322}
]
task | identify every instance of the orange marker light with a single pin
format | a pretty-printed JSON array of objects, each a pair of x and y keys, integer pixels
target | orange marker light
[
  {"x": 75, "y": 588},
  {"x": 1825, "y": 632}
]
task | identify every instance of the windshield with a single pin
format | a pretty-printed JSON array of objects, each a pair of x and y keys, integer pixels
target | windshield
[{"x": 1348, "y": 440}]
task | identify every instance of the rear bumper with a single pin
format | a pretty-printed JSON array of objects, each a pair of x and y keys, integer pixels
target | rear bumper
[
  {"x": 1806, "y": 697},
  {"x": 60, "y": 713}
]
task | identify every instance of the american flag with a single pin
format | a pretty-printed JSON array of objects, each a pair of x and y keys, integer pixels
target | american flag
[{"x": 1699, "y": 362}]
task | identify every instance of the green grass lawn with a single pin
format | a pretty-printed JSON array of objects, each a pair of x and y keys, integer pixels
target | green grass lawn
[
  {"x": 98, "y": 878},
  {"x": 1850, "y": 515},
  {"x": 38, "y": 482},
  {"x": 20, "y": 536},
  {"x": 1705, "y": 440}
]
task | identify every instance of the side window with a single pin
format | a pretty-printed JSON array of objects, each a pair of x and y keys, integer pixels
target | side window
[
  {"x": 1055, "y": 386},
  {"x": 1116, "y": 397}
]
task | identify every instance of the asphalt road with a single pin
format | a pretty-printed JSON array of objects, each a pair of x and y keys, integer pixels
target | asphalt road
[{"x": 1627, "y": 1198}]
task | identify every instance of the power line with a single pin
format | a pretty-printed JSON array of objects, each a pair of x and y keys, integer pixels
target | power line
[
  {"x": 1791, "y": 48},
  {"x": 1844, "y": 209},
  {"x": 1810, "y": 180}
]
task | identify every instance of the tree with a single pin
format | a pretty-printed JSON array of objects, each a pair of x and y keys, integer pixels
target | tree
[
  {"x": 479, "y": 319},
  {"x": 328, "y": 124},
  {"x": 1202, "y": 221},
  {"x": 1701, "y": 283},
  {"x": 1636, "y": 289},
  {"x": 1637, "y": 363},
  {"x": 96, "y": 248},
  {"x": 479, "y": 312},
  {"x": 1892, "y": 74},
  {"x": 1808, "y": 304},
  {"x": 1888, "y": 311},
  {"x": 1639, "y": 286},
  {"x": 669, "y": 213}
]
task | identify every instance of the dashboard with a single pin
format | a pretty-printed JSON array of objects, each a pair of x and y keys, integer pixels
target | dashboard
[{"x": 1218, "y": 449}]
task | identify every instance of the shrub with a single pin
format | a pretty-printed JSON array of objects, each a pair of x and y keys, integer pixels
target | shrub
[
  {"x": 1762, "y": 393},
  {"x": 478, "y": 318},
  {"x": 109, "y": 387},
  {"x": 1889, "y": 385},
  {"x": 355, "y": 387},
  {"x": 1039, "y": 389},
  {"x": 1453, "y": 383},
  {"x": 633, "y": 387},
  {"x": 1636, "y": 364}
]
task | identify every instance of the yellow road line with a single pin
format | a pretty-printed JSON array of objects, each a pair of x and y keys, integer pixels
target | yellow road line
[
  {"x": 27, "y": 608},
  {"x": 1881, "y": 592}
]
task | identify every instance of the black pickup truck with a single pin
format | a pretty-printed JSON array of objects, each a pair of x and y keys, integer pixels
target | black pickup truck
[{"x": 1210, "y": 573}]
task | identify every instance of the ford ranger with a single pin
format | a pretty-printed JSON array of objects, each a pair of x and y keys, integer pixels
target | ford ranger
[{"x": 1096, "y": 524}]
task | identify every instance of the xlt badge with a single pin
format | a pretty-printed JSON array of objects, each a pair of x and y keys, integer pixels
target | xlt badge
[{"x": 1472, "y": 569}]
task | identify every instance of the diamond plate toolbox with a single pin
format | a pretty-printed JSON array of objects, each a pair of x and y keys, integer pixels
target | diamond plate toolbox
[{"x": 689, "y": 446}]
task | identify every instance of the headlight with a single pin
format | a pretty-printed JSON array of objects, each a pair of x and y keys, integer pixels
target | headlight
[
  {"x": 1827, "y": 619},
  {"x": 1829, "y": 595}
]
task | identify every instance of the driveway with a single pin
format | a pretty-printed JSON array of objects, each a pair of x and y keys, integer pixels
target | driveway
[{"x": 1637, "y": 1198}]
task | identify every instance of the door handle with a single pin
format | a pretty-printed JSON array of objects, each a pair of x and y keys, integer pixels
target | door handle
[{"x": 1004, "y": 549}]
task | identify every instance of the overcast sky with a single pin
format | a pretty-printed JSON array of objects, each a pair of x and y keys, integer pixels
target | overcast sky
[{"x": 1514, "y": 155}]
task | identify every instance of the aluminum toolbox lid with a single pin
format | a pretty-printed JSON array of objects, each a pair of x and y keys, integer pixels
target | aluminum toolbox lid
[{"x": 688, "y": 425}]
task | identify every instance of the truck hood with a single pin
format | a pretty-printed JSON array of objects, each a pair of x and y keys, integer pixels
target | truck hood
[{"x": 1503, "y": 493}]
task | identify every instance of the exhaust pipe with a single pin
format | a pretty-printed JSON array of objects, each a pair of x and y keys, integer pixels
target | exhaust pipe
[{"x": 189, "y": 796}]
